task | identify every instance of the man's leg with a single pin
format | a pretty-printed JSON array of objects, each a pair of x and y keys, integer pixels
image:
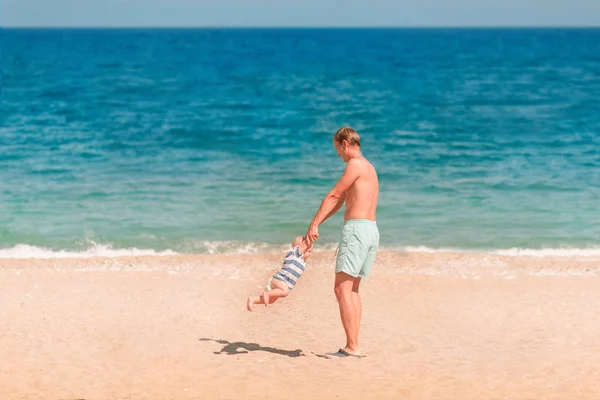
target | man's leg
[
  {"x": 357, "y": 304},
  {"x": 350, "y": 310}
]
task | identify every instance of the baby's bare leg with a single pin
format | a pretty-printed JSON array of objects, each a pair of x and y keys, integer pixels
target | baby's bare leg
[
  {"x": 269, "y": 297},
  {"x": 280, "y": 289}
]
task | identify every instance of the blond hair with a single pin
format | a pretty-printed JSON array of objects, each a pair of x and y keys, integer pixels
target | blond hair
[{"x": 349, "y": 134}]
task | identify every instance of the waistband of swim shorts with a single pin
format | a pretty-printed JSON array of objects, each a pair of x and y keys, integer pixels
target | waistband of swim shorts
[{"x": 360, "y": 222}]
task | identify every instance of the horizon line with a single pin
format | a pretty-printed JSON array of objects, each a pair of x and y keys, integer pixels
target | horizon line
[{"x": 252, "y": 27}]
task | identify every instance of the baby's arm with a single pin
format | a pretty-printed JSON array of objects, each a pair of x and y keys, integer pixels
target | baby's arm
[{"x": 306, "y": 248}]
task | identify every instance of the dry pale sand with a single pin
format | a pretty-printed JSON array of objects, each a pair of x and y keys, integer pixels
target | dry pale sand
[{"x": 435, "y": 326}]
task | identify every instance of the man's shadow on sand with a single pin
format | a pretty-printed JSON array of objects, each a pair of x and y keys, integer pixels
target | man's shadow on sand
[{"x": 234, "y": 348}]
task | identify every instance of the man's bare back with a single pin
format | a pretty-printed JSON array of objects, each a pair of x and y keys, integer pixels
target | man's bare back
[{"x": 362, "y": 196}]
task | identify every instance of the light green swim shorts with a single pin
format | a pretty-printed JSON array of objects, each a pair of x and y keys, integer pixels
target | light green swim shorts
[{"x": 358, "y": 247}]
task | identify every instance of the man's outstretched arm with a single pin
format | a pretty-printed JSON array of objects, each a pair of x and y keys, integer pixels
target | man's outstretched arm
[
  {"x": 337, "y": 207},
  {"x": 334, "y": 200}
]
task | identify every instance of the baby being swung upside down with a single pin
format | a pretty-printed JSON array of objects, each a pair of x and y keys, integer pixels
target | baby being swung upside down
[{"x": 284, "y": 280}]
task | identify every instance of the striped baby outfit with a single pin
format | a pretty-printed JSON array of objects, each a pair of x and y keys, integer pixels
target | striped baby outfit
[{"x": 292, "y": 268}]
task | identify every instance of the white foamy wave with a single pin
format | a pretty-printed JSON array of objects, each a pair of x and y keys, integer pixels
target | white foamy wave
[
  {"x": 512, "y": 252},
  {"x": 239, "y": 247},
  {"x": 97, "y": 250},
  {"x": 425, "y": 249},
  {"x": 22, "y": 251},
  {"x": 561, "y": 252},
  {"x": 235, "y": 247},
  {"x": 191, "y": 247}
]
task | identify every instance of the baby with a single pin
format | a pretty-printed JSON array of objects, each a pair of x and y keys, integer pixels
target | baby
[{"x": 280, "y": 284}]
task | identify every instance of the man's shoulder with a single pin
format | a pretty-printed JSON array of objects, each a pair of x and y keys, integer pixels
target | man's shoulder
[{"x": 359, "y": 164}]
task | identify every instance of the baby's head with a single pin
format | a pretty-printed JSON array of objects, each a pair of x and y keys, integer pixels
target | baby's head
[{"x": 301, "y": 241}]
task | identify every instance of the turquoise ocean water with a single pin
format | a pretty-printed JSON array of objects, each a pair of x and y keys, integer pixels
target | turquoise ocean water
[{"x": 220, "y": 140}]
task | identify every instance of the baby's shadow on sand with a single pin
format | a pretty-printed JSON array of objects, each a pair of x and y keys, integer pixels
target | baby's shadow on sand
[{"x": 234, "y": 348}]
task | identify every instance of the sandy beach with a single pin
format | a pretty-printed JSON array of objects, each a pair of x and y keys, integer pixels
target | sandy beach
[{"x": 435, "y": 326}]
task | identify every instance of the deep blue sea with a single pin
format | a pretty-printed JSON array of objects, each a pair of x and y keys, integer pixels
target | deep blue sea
[{"x": 220, "y": 140}]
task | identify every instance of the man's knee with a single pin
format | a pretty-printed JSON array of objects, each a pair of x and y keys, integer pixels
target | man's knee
[
  {"x": 342, "y": 291},
  {"x": 343, "y": 285},
  {"x": 338, "y": 292}
]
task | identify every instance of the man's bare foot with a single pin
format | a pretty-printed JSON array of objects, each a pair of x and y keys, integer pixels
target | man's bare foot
[
  {"x": 266, "y": 298},
  {"x": 250, "y": 304}
]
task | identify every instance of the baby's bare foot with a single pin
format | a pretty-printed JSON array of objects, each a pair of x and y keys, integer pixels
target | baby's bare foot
[
  {"x": 266, "y": 298},
  {"x": 249, "y": 304}
]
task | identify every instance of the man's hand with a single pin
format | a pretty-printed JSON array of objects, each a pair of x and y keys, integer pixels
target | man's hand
[{"x": 312, "y": 234}]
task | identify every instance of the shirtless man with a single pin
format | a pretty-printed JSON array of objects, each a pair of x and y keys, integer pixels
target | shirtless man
[{"x": 359, "y": 189}]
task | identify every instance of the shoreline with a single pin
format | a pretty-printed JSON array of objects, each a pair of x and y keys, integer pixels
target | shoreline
[
  {"x": 25, "y": 251},
  {"x": 397, "y": 261}
]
